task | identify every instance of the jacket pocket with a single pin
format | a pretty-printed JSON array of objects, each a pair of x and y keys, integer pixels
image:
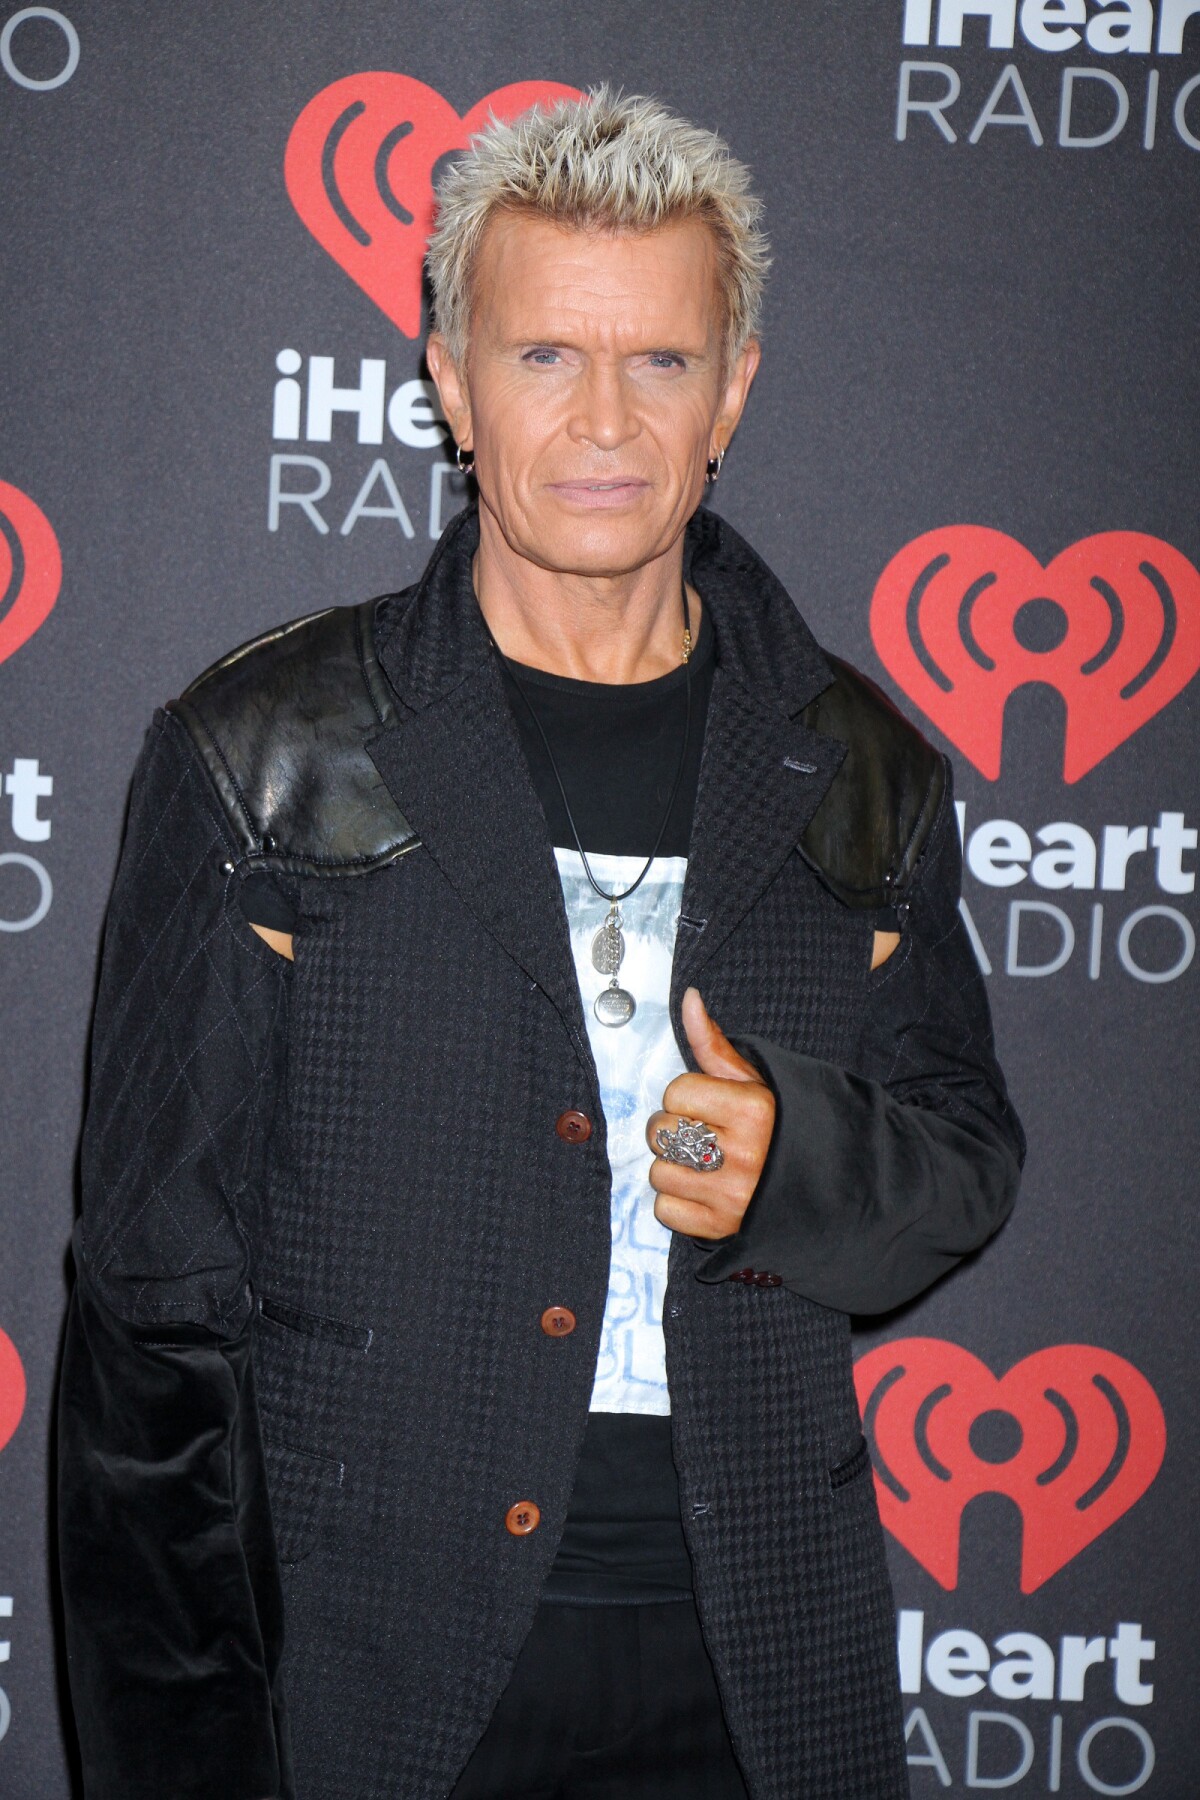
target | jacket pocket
[
  {"x": 314, "y": 1325},
  {"x": 854, "y": 1465},
  {"x": 302, "y": 1487}
]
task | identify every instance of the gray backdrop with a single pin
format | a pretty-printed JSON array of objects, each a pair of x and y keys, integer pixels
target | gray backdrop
[{"x": 981, "y": 315}]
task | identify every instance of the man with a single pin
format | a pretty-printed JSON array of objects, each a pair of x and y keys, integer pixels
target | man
[{"x": 534, "y": 1015}]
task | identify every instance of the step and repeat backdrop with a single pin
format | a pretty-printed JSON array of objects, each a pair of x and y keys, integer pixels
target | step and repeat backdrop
[{"x": 971, "y": 454}]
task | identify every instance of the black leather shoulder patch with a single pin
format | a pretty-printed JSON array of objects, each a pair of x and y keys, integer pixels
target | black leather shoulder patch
[
  {"x": 866, "y": 837},
  {"x": 282, "y": 724}
]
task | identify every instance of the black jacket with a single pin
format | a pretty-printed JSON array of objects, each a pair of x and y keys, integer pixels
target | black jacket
[{"x": 325, "y": 1205}]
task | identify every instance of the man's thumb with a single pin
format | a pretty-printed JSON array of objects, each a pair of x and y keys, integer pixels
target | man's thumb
[{"x": 711, "y": 1048}]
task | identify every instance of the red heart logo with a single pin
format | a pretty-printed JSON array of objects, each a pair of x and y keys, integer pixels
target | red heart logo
[
  {"x": 12, "y": 1389},
  {"x": 1073, "y": 1435},
  {"x": 359, "y": 170},
  {"x": 30, "y": 568},
  {"x": 963, "y": 616}
]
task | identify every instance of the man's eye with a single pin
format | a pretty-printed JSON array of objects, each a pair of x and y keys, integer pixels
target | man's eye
[
  {"x": 666, "y": 359},
  {"x": 542, "y": 356}
]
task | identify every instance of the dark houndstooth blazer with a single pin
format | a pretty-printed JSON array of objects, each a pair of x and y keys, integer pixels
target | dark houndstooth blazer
[{"x": 326, "y": 1203}]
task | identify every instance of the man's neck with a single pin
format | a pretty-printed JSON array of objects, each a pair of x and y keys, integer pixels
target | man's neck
[{"x": 611, "y": 628}]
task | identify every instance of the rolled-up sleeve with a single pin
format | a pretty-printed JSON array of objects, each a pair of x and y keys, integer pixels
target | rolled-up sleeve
[
  {"x": 881, "y": 1177},
  {"x": 170, "y": 1586}
]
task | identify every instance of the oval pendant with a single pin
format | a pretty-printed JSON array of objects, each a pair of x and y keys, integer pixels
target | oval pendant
[
  {"x": 614, "y": 1005},
  {"x": 608, "y": 947}
]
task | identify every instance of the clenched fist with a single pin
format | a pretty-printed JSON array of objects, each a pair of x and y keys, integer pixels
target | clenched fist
[{"x": 730, "y": 1096}]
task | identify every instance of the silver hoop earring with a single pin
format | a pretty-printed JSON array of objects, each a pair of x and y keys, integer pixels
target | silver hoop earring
[
  {"x": 465, "y": 462},
  {"x": 714, "y": 466}
]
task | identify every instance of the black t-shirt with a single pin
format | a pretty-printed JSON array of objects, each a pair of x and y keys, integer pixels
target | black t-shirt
[{"x": 617, "y": 749}]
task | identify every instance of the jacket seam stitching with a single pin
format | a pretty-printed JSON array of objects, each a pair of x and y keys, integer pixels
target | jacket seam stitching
[
  {"x": 902, "y": 857},
  {"x": 203, "y": 725}
]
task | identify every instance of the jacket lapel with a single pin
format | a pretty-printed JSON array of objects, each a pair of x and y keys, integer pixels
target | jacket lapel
[
  {"x": 763, "y": 773},
  {"x": 452, "y": 759},
  {"x": 762, "y": 777}
]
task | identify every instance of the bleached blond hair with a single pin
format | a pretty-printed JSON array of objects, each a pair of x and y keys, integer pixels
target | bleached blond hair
[{"x": 607, "y": 162}]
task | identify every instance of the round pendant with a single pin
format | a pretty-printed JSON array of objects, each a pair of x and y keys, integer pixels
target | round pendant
[{"x": 614, "y": 1006}]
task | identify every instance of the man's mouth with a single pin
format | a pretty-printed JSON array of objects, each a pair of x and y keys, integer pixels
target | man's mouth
[{"x": 615, "y": 484}]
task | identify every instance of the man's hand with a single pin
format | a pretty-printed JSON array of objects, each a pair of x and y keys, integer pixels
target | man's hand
[{"x": 730, "y": 1096}]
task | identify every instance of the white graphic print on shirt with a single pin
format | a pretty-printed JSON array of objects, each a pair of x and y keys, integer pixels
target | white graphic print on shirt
[{"x": 634, "y": 1063}]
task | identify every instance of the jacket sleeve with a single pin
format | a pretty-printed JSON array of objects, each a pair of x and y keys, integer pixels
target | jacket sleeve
[
  {"x": 878, "y": 1181},
  {"x": 171, "y": 1595}
]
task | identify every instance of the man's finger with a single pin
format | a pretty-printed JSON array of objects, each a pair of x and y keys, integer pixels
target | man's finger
[
  {"x": 713, "y": 1098},
  {"x": 711, "y": 1048},
  {"x": 732, "y": 1184},
  {"x": 689, "y": 1218}
]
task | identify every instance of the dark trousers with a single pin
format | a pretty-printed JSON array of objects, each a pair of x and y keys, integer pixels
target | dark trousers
[{"x": 607, "y": 1703}]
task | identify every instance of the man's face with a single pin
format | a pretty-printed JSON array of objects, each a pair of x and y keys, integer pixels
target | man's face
[{"x": 593, "y": 393}]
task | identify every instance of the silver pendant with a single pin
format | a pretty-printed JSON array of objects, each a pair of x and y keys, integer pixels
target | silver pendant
[
  {"x": 608, "y": 945},
  {"x": 614, "y": 1005}
]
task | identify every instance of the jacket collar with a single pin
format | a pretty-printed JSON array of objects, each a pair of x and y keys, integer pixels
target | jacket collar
[
  {"x": 451, "y": 756},
  {"x": 762, "y": 642}
]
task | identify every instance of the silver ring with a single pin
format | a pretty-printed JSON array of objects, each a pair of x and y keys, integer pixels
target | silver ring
[{"x": 694, "y": 1144}]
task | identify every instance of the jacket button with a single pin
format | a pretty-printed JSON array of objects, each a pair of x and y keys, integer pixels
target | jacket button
[
  {"x": 573, "y": 1127},
  {"x": 558, "y": 1321},
  {"x": 764, "y": 1278},
  {"x": 522, "y": 1518}
]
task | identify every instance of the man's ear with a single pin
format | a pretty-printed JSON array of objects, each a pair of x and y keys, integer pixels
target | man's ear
[
  {"x": 452, "y": 388},
  {"x": 737, "y": 389}
]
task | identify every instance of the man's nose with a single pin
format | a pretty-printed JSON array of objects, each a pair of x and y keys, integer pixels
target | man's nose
[{"x": 604, "y": 412}]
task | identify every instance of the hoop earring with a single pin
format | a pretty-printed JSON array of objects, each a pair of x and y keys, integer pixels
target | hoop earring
[
  {"x": 465, "y": 462},
  {"x": 714, "y": 466}
]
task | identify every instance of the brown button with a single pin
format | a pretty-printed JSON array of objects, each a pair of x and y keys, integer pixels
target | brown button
[
  {"x": 573, "y": 1127},
  {"x": 522, "y": 1518},
  {"x": 558, "y": 1321},
  {"x": 765, "y": 1278}
]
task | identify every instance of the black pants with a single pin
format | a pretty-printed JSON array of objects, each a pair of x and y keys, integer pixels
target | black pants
[{"x": 607, "y": 1703}]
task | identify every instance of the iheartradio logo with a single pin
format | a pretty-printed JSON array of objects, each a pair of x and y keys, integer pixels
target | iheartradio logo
[
  {"x": 30, "y": 568},
  {"x": 1074, "y": 1435},
  {"x": 359, "y": 171},
  {"x": 963, "y": 616},
  {"x": 12, "y": 1388}
]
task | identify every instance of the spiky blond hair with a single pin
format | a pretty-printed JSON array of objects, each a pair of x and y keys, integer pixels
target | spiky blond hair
[{"x": 606, "y": 162}]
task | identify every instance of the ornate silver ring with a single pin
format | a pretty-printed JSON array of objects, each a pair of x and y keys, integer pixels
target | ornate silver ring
[{"x": 694, "y": 1144}]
